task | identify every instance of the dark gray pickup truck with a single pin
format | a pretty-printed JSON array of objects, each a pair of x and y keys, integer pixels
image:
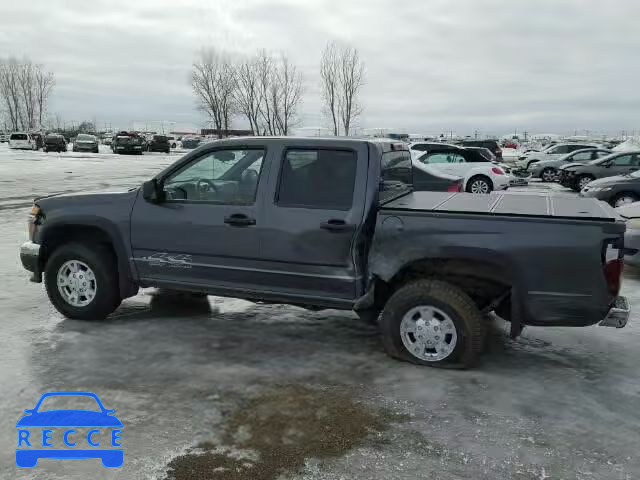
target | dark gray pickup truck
[{"x": 334, "y": 223}]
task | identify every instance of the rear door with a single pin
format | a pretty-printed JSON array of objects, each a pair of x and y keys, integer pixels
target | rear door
[{"x": 313, "y": 219}]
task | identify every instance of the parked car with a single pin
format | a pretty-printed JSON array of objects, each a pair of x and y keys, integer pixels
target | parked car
[
  {"x": 630, "y": 212},
  {"x": 22, "y": 141},
  {"x": 4, "y": 137},
  {"x": 577, "y": 177},
  {"x": 478, "y": 174},
  {"x": 38, "y": 139},
  {"x": 418, "y": 149},
  {"x": 428, "y": 178},
  {"x": 331, "y": 223},
  {"x": 86, "y": 143},
  {"x": 172, "y": 141},
  {"x": 190, "y": 143},
  {"x": 126, "y": 142},
  {"x": 551, "y": 152},
  {"x": 548, "y": 170},
  {"x": 491, "y": 145},
  {"x": 107, "y": 140},
  {"x": 54, "y": 142},
  {"x": 617, "y": 191},
  {"x": 159, "y": 143},
  {"x": 485, "y": 152}
]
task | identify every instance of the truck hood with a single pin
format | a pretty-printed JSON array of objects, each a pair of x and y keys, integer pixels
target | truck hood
[
  {"x": 84, "y": 198},
  {"x": 504, "y": 204}
]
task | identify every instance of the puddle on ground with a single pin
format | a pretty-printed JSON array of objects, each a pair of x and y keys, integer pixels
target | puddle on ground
[{"x": 277, "y": 431}]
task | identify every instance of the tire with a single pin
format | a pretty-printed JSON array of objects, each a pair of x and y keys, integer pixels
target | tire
[
  {"x": 548, "y": 174},
  {"x": 624, "y": 198},
  {"x": 167, "y": 151},
  {"x": 480, "y": 184},
  {"x": 102, "y": 263},
  {"x": 582, "y": 181},
  {"x": 447, "y": 301}
]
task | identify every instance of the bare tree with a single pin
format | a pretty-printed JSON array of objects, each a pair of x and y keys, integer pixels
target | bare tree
[
  {"x": 342, "y": 78},
  {"x": 44, "y": 84},
  {"x": 351, "y": 74},
  {"x": 265, "y": 70},
  {"x": 248, "y": 95},
  {"x": 288, "y": 94},
  {"x": 24, "y": 90},
  {"x": 329, "y": 83},
  {"x": 213, "y": 81}
]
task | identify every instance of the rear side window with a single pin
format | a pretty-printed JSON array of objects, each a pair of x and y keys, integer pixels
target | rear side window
[
  {"x": 317, "y": 179},
  {"x": 18, "y": 136}
]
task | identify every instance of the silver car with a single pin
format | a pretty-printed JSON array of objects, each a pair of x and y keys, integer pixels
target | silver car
[
  {"x": 552, "y": 152},
  {"x": 547, "y": 170}
]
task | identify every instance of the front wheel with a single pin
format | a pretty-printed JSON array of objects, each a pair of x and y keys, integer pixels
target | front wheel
[
  {"x": 548, "y": 175},
  {"x": 82, "y": 282},
  {"x": 479, "y": 184},
  {"x": 434, "y": 323},
  {"x": 583, "y": 181},
  {"x": 624, "y": 199}
]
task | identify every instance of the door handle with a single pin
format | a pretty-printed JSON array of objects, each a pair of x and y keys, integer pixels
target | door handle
[
  {"x": 239, "y": 220},
  {"x": 334, "y": 225}
]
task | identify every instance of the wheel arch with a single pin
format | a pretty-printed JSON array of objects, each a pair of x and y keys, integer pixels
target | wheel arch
[{"x": 90, "y": 232}]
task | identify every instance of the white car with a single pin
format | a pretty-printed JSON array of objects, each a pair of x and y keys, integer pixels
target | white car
[
  {"x": 552, "y": 152},
  {"x": 631, "y": 215},
  {"x": 478, "y": 175},
  {"x": 22, "y": 141}
]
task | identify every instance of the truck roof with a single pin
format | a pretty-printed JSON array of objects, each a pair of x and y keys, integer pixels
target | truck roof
[{"x": 507, "y": 204}]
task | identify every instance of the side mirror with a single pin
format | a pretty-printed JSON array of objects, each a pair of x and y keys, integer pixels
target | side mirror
[{"x": 151, "y": 191}]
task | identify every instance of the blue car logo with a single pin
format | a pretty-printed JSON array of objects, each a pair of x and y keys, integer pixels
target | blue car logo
[{"x": 36, "y": 437}]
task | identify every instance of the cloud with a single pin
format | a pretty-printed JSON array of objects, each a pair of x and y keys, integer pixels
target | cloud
[{"x": 495, "y": 65}]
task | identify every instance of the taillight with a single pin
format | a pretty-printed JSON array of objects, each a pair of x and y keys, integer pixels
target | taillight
[
  {"x": 613, "y": 273},
  {"x": 455, "y": 187},
  {"x": 497, "y": 170}
]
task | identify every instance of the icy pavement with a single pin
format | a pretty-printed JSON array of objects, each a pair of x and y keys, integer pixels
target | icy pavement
[{"x": 228, "y": 389}]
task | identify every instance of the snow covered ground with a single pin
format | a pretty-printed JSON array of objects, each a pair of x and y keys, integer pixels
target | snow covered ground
[{"x": 258, "y": 387}]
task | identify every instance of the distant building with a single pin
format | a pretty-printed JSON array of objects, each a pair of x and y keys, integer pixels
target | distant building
[{"x": 226, "y": 133}]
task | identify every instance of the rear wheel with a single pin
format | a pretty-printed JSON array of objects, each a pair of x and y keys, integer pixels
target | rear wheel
[
  {"x": 624, "y": 198},
  {"x": 479, "y": 184},
  {"x": 548, "y": 174},
  {"x": 82, "y": 282},
  {"x": 434, "y": 323}
]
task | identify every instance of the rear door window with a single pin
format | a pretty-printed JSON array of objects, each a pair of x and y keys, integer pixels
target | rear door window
[
  {"x": 311, "y": 178},
  {"x": 18, "y": 136},
  {"x": 448, "y": 157}
]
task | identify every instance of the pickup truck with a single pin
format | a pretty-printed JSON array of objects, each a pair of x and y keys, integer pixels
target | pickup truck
[{"x": 335, "y": 223}]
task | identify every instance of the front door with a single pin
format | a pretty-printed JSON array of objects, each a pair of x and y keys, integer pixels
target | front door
[
  {"x": 316, "y": 215},
  {"x": 204, "y": 233},
  {"x": 623, "y": 164}
]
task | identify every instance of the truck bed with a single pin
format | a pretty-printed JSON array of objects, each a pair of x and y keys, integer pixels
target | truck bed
[{"x": 505, "y": 204}]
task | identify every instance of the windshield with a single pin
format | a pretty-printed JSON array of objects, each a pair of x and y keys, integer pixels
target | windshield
[{"x": 85, "y": 138}]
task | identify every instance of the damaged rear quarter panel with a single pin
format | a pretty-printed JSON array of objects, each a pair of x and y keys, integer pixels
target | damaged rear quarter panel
[{"x": 554, "y": 266}]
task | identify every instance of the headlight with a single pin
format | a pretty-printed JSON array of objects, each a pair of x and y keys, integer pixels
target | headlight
[{"x": 634, "y": 223}]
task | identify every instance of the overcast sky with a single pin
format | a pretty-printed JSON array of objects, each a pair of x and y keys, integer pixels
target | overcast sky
[{"x": 431, "y": 65}]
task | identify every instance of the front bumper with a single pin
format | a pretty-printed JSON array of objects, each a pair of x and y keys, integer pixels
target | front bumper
[
  {"x": 618, "y": 315},
  {"x": 30, "y": 258}
]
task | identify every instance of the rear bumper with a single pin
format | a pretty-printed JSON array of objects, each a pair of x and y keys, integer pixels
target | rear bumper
[
  {"x": 632, "y": 241},
  {"x": 618, "y": 314},
  {"x": 30, "y": 258}
]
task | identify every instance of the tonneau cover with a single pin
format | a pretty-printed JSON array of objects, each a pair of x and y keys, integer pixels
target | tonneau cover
[{"x": 510, "y": 204}]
